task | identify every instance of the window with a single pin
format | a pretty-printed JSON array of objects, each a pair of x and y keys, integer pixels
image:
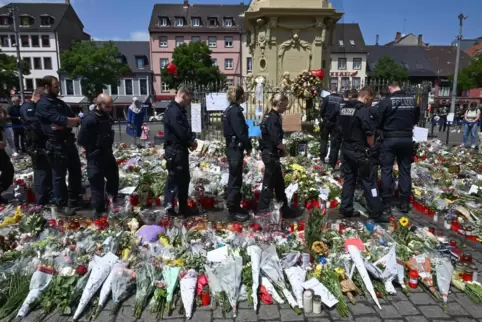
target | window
[
  {"x": 340, "y": 42},
  {"x": 35, "y": 41},
  {"x": 27, "y": 61},
  {"x": 25, "y": 21},
  {"x": 345, "y": 82},
  {"x": 163, "y": 41},
  {"x": 249, "y": 64},
  {"x": 228, "y": 22},
  {"x": 195, "y": 39},
  {"x": 341, "y": 63},
  {"x": 29, "y": 84},
  {"x": 228, "y": 42},
  {"x": 37, "y": 63},
  {"x": 45, "y": 41},
  {"x": 128, "y": 86},
  {"x": 24, "y": 41},
  {"x": 4, "y": 41},
  {"x": 212, "y": 42},
  {"x": 163, "y": 21},
  {"x": 4, "y": 20},
  {"x": 13, "y": 40},
  {"x": 114, "y": 89},
  {"x": 352, "y": 42},
  {"x": 228, "y": 63},
  {"x": 357, "y": 63},
  {"x": 214, "y": 61},
  {"x": 140, "y": 62},
  {"x": 229, "y": 82},
  {"x": 179, "y": 41},
  {"x": 46, "y": 21},
  {"x": 69, "y": 87},
  {"x": 164, "y": 87},
  {"x": 213, "y": 22},
  {"x": 356, "y": 82},
  {"x": 196, "y": 22},
  {"x": 418, "y": 65},
  {"x": 143, "y": 86},
  {"x": 164, "y": 62},
  {"x": 47, "y": 63},
  {"x": 334, "y": 82},
  {"x": 179, "y": 22}
]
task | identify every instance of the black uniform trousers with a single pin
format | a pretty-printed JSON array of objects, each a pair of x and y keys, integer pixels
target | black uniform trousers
[
  {"x": 42, "y": 178},
  {"x": 178, "y": 178},
  {"x": 335, "y": 145},
  {"x": 234, "y": 153},
  {"x": 325, "y": 131},
  {"x": 63, "y": 156},
  {"x": 19, "y": 139},
  {"x": 103, "y": 175},
  {"x": 6, "y": 171},
  {"x": 401, "y": 149},
  {"x": 351, "y": 167},
  {"x": 272, "y": 179}
]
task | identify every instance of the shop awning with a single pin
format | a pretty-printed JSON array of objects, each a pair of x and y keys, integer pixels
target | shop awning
[
  {"x": 161, "y": 104},
  {"x": 74, "y": 99}
]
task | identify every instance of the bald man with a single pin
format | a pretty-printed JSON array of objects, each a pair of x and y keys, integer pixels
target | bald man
[{"x": 96, "y": 137}]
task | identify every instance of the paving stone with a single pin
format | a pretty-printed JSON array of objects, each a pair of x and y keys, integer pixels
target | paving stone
[
  {"x": 400, "y": 296},
  {"x": 418, "y": 318},
  {"x": 223, "y": 320},
  {"x": 268, "y": 312},
  {"x": 333, "y": 313},
  {"x": 323, "y": 313},
  {"x": 455, "y": 309},
  {"x": 394, "y": 320},
  {"x": 125, "y": 314},
  {"x": 389, "y": 311},
  {"x": 218, "y": 313},
  {"x": 244, "y": 315},
  {"x": 465, "y": 320},
  {"x": 406, "y": 308},
  {"x": 360, "y": 309},
  {"x": 473, "y": 309},
  {"x": 318, "y": 319},
  {"x": 244, "y": 305},
  {"x": 201, "y": 316},
  {"x": 421, "y": 299},
  {"x": 433, "y": 311},
  {"x": 368, "y": 319},
  {"x": 290, "y": 315}
]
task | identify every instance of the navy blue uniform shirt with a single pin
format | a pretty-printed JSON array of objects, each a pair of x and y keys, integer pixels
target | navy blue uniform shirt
[
  {"x": 234, "y": 125},
  {"x": 271, "y": 130},
  {"x": 96, "y": 132},
  {"x": 397, "y": 113},
  {"x": 52, "y": 110},
  {"x": 176, "y": 126}
]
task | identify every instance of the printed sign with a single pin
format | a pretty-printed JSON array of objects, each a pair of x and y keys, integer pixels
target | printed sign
[
  {"x": 196, "y": 118},
  {"x": 253, "y": 128},
  {"x": 216, "y": 102}
]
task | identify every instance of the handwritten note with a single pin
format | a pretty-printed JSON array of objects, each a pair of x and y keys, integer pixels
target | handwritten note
[
  {"x": 196, "y": 118},
  {"x": 216, "y": 102}
]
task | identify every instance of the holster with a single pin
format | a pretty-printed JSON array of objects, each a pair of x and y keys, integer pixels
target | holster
[
  {"x": 365, "y": 167},
  {"x": 56, "y": 159}
]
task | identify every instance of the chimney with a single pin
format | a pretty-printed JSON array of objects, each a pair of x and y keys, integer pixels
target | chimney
[
  {"x": 378, "y": 38},
  {"x": 420, "y": 42},
  {"x": 398, "y": 35},
  {"x": 186, "y": 3},
  {"x": 67, "y": 1}
]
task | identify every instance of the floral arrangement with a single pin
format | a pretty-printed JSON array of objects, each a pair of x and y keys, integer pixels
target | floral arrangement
[{"x": 306, "y": 86}]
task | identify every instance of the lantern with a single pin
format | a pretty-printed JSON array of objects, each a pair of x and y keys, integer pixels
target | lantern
[
  {"x": 171, "y": 68},
  {"x": 320, "y": 73}
]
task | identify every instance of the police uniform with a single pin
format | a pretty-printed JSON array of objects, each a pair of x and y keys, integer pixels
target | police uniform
[
  {"x": 179, "y": 137},
  {"x": 18, "y": 131},
  {"x": 336, "y": 137},
  {"x": 35, "y": 143},
  {"x": 97, "y": 137},
  {"x": 396, "y": 117},
  {"x": 235, "y": 131},
  {"x": 356, "y": 125},
  {"x": 329, "y": 108},
  {"x": 272, "y": 137},
  {"x": 61, "y": 150}
]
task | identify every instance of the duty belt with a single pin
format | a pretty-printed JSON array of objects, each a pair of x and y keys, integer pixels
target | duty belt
[{"x": 397, "y": 134}]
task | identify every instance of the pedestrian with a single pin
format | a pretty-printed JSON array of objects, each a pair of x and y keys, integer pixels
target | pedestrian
[
  {"x": 179, "y": 140},
  {"x": 57, "y": 120},
  {"x": 35, "y": 144},
  {"x": 442, "y": 114},
  {"x": 18, "y": 131},
  {"x": 235, "y": 131},
  {"x": 471, "y": 119},
  {"x": 136, "y": 115},
  {"x": 7, "y": 132},
  {"x": 397, "y": 115},
  {"x": 329, "y": 106},
  {"x": 6, "y": 166},
  {"x": 145, "y": 132},
  {"x": 96, "y": 136},
  {"x": 94, "y": 103},
  {"x": 272, "y": 149},
  {"x": 358, "y": 130}
]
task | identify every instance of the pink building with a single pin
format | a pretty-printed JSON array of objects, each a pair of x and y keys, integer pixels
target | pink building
[{"x": 174, "y": 24}]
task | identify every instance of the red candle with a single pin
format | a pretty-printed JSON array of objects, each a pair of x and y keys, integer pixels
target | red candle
[
  {"x": 205, "y": 298},
  {"x": 453, "y": 243},
  {"x": 454, "y": 225},
  {"x": 432, "y": 230},
  {"x": 158, "y": 202}
]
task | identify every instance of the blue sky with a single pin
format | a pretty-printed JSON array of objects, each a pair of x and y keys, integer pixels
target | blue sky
[{"x": 435, "y": 19}]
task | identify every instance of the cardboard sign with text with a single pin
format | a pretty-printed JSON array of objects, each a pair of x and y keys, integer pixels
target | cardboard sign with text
[{"x": 292, "y": 122}]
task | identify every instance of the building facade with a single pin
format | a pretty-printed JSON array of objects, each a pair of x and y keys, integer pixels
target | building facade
[
  {"x": 45, "y": 30},
  {"x": 219, "y": 26}
]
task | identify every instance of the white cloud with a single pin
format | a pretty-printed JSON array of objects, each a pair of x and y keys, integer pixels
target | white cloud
[{"x": 133, "y": 36}]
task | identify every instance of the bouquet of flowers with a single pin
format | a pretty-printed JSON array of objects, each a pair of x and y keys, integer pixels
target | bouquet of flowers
[
  {"x": 145, "y": 278},
  {"x": 306, "y": 86}
]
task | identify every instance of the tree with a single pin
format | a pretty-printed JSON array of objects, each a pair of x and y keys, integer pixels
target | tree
[
  {"x": 471, "y": 76},
  {"x": 388, "y": 69},
  {"x": 9, "y": 74},
  {"x": 95, "y": 65},
  {"x": 194, "y": 65}
]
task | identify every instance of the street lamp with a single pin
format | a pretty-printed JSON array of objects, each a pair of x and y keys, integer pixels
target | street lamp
[
  {"x": 12, "y": 12},
  {"x": 457, "y": 59}
]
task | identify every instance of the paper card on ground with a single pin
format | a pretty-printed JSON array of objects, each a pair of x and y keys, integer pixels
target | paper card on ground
[
  {"x": 290, "y": 190},
  {"x": 217, "y": 255},
  {"x": 420, "y": 134},
  {"x": 200, "y": 145},
  {"x": 473, "y": 189},
  {"x": 319, "y": 289},
  {"x": 357, "y": 242},
  {"x": 127, "y": 190}
]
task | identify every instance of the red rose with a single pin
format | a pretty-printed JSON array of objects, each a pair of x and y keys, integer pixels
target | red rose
[{"x": 81, "y": 270}]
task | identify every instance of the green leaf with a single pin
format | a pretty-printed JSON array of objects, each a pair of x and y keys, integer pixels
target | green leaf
[
  {"x": 388, "y": 69},
  {"x": 67, "y": 311}
]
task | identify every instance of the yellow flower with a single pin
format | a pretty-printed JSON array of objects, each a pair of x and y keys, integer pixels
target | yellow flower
[
  {"x": 403, "y": 221},
  {"x": 340, "y": 271},
  {"x": 319, "y": 248},
  {"x": 164, "y": 241},
  {"x": 178, "y": 262},
  {"x": 297, "y": 167}
]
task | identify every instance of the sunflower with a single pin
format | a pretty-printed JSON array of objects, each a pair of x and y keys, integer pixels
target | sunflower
[
  {"x": 319, "y": 248},
  {"x": 403, "y": 221}
]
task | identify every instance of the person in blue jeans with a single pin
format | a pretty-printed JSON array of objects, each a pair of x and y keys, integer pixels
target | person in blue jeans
[{"x": 472, "y": 117}]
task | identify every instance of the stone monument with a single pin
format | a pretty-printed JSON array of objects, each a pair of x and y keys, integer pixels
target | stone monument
[{"x": 286, "y": 37}]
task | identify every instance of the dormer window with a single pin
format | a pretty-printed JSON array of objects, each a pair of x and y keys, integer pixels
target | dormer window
[
  {"x": 352, "y": 43},
  {"x": 122, "y": 59},
  {"x": 341, "y": 43},
  {"x": 26, "y": 20},
  {"x": 213, "y": 22},
  {"x": 179, "y": 22},
  {"x": 4, "y": 20},
  {"x": 46, "y": 20},
  {"x": 228, "y": 22},
  {"x": 163, "y": 21},
  {"x": 140, "y": 62},
  {"x": 196, "y": 22}
]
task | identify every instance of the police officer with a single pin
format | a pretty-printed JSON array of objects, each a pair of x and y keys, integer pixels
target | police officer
[
  {"x": 235, "y": 131},
  {"x": 329, "y": 106},
  {"x": 358, "y": 131},
  {"x": 396, "y": 117},
  {"x": 35, "y": 143},
  {"x": 97, "y": 137},
  {"x": 272, "y": 148},
  {"x": 57, "y": 120},
  {"x": 18, "y": 131},
  {"x": 179, "y": 140},
  {"x": 6, "y": 166}
]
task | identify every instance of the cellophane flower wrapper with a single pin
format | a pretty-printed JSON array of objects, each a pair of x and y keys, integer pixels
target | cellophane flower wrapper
[
  {"x": 188, "y": 290},
  {"x": 122, "y": 283},
  {"x": 271, "y": 220},
  {"x": 170, "y": 276},
  {"x": 145, "y": 278},
  {"x": 100, "y": 271},
  {"x": 38, "y": 284},
  {"x": 254, "y": 252},
  {"x": 271, "y": 268},
  {"x": 271, "y": 290},
  {"x": 389, "y": 261},
  {"x": 296, "y": 276},
  {"x": 107, "y": 286},
  {"x": 214, "y": 284},
  {"x": 444, "y": 271},
  {"x": 422, "y": 265},
  {"x": 228, "y": 274}
]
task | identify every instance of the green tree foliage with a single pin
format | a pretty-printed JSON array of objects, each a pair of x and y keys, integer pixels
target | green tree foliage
[
  {"x": 387, "y": 68},
  {"x": 194, "y": 66},
  {"x": 95, "y": 65},
  {"x": 471, "y": 76},
  {"x": 9, "y": 74}
]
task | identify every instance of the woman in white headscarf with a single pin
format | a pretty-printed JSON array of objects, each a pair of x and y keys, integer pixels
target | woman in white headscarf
[{"x": 136, "y": 115}]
